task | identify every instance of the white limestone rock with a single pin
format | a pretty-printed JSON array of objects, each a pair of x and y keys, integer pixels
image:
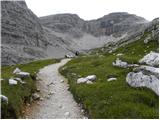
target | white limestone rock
[
  {"x": 12, "y": 82},
  {"x": 89, "y": 82},
  {"x": 23, "y": 74},
  {"x": 91, "y": 77},
  {"x": 81, "y": 80},
  {"x": 120, "y": 63},
  {"x": 20, "y": 80},
  {"x": 141, "y": 80},
  {"x": 4, "y": 98},
  {"x": 150, "y": 59},
  {"x": 111, "y": 79},
  {"x": 119, "y": 54},
  {"x": 17, "y": 70}
]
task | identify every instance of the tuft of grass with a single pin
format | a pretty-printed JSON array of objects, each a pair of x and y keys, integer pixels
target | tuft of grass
[
  {"x": 19, "y": 94},
  {"x": 115, "y": 99}
]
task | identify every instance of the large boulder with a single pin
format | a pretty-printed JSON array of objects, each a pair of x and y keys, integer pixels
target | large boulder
[
  {"x": 148, "y": 70},
  {"x": 151, "y": 59},
  {"x": 139, "y": 79}
]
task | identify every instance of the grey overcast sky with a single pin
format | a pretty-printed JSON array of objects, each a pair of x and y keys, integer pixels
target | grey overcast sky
[{"x": 93, "y": 9}]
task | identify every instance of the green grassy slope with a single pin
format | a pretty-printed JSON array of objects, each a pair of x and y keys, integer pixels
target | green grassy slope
[
  {"x": 19, "y": 94},
  {"x": 115, "y": 99}
]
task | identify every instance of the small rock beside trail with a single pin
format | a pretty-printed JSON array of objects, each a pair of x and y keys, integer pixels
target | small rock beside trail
[
  {"x": 81, "y": 80},
  {"x": 35, "y": 96},
  {"x": 12, "y": 82},
  {"x": 151, "y": 59},
  {"x": 111, "y": 79},
  {"x": 66, "y": 114},
  {"x": 89, "y": 79},
  {"x": 20, "y": 80},
  {"x": 23, "y": 74},
  {"x": 17, "y": 70},
  {"x": 4, "y": 98},
  {"x": 89, "y": 82},
  {"x": 119, "y": 54}
]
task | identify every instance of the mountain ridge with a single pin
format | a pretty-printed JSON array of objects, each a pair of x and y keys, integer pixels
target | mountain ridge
[{"x": 25, "y": 37}]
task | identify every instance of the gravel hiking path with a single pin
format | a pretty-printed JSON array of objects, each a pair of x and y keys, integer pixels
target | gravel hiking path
[{"x": 56, "y": 101}]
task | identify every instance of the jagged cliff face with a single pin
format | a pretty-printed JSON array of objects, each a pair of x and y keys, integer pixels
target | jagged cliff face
[
  {"x": 26, "y": 37},
  {"x": 23, "y": 37}
]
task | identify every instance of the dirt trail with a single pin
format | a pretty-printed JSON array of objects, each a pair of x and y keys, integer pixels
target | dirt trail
[{"x": 57, "y": 101}]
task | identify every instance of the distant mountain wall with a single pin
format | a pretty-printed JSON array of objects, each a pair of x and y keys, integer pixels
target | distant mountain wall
[{"x": 25, "y": 37}]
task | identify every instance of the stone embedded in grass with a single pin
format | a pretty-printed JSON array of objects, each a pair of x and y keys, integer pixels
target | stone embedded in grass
[
  {"x": 23, "y": 74},
  {"x": 120, "y": 63},
  {"x": 4, "y": 98},
  {"x": 91, "y": 77},
  {"x": 17, "y": 70},
  {"x": 89, "y": 82},
  {"x": 111, "y": 79},
  {"x": 150, "y": 59},
  {"x": 132, "y": 65},
  {"x": 12, "y": 82},
  {"x": 141, "y": 80},
  {"x": 81, "y": 80},
  {"x": 20, "y": 80},
  {"x": 120, "y": 54}
]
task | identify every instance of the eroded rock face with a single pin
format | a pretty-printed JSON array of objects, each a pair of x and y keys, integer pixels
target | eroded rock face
[{"x": 23, "y": 37}]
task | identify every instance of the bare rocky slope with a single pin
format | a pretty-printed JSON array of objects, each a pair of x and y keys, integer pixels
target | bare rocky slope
[
  {"x": 26, "y": 37},
  {"x": 23, "y": 38}
]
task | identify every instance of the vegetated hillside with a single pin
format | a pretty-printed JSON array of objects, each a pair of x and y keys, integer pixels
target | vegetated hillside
[
  {"x": 114, "y": 99},
  {"x": 20, "y": 94},
  {"x": 23, "y": 37}
]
